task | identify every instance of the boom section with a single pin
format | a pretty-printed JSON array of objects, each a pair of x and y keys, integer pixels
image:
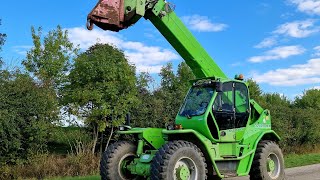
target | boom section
[{"x": 116, "y": 15}]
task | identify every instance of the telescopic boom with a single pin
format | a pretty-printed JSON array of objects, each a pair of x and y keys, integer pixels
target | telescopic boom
[{"x": 116, "y": 15}]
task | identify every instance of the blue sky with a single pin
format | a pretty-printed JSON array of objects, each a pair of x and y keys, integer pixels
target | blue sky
[{"x": 274, "y": 42}]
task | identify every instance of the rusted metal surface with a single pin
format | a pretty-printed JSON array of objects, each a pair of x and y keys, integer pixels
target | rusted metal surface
[{"x": 108, "y": 15}]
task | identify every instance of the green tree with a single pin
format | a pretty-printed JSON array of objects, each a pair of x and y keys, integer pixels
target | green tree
[
  {"x": 26, "y": 113},
  {"x": 168, "y": 78},
  {"x": 184, "y": 76},
  {"x": 281, "y": 115},
  {"x": 170, "y": 95},
  {"x": 142, "y": 111},
  {"x": 305, "y": 128},
  {"x": 309, "y": 99},
  {"x": 143, "y": 82},
  {"x": 102, "y": 87},
  {"x": 254, "y": 90},
  {"x": 305, "y": 120},
  {"x": 296, "y": 122},
  {"x": 166, "y": 94},
  {"x": 276, "y": 99},
  {"x": 50, "y": 58}
]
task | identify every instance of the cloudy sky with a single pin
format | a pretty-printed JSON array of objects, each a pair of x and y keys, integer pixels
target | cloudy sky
[{"x": 277, "y": 43}]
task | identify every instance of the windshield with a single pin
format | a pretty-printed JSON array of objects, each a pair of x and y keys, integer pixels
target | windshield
[{"x": 196, "y": 101}]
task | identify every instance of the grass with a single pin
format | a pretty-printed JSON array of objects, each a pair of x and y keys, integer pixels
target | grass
[
  {"x": 291, "y": 160},
  {"x": 50, "y": 166},
  {"x": 295, "y": 160}
]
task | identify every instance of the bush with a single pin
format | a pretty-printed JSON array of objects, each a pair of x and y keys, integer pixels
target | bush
[
  {"x": 63, "y": 139},
  {"x": 297, "y": 122},
  {"x": 26, "y": 113}
]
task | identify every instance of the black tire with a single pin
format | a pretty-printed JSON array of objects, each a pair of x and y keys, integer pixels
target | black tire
[
  {"x": 112, "y": 158},
  {"x": 174, "y": 158},
  {"x": 268, "y": 163}
]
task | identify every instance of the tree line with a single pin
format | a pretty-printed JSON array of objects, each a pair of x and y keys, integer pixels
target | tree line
[{"x": 100, "y": 87}]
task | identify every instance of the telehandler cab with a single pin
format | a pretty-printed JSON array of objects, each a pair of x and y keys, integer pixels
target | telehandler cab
[{"x": 219, "y": 131}]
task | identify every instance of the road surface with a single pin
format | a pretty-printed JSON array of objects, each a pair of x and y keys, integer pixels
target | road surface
[{"x": 311, "y": 172}]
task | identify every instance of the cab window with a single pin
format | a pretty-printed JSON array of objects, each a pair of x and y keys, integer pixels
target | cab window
[{"x": 241, "y": 105}]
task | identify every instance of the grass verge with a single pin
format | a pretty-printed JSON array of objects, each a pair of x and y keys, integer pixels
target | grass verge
[
  {"x": 295, "y": 160},
  {"x": 291, "y": 160},
  {"x": 44, "y": 166}
]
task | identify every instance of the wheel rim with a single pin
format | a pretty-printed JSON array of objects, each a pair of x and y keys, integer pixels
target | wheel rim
[
  {"x": 185, "y": 169},
  {"x": 122, "y": 170},
  {"x": 273, "y": 166}
]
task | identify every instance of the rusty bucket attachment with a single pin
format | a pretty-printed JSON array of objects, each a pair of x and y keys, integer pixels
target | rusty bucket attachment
[{"x": 108, "y": 15}]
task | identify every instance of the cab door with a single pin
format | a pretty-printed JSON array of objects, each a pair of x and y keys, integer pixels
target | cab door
[
  {"x": 242, "y": 109},
  {"x": 224, "y": 112},
  {"x": 231, "y": 112}
]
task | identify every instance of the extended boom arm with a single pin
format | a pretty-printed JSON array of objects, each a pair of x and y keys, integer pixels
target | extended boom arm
[{"x": 116, "y": 15}]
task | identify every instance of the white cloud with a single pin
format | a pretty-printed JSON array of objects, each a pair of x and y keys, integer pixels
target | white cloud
[
  {"x": 311, "y": 7},
  {"x": 298, "y": 29},
  {"x": 281, "y": 52},
  {"x": 22, "y": 50},
  {"x": 317, "y": 51},
  {"x": 150, "y": 69},
  {"x": 295, "y": 29},
  {"x": 236, "y": 64},
  {"x": 287, "y": 15},
  {"x": 299, "y": 74},
  {"x": 146, "y": 58},
  {"x": 267, "y": 42},
  {"x": 203, "y": 24},
  {"x": 85, "y": 38}
]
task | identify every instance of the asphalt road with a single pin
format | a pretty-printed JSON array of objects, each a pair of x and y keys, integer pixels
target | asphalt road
[{"x": 311, "y": 172}]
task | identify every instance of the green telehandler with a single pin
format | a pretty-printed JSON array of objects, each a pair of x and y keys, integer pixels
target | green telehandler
[{"x": 219, "y": 131}]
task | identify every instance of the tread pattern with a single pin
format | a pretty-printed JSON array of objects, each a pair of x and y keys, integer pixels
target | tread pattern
[
  {"x": 160, "y": 162},
  {"x": 109, "y": 160},
  {"x": 256, "y": 172}
]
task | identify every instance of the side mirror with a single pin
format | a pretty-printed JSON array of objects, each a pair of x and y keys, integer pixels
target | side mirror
[
  {"x": 219, "y": 87},
  {"x": 127, "y": 124},
  {"x": 128, "y": 119}
]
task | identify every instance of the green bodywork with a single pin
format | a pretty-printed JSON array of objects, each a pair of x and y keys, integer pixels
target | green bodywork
[
  {"x": 228, "y": 152},
  {"x": 236, "y": 148}
]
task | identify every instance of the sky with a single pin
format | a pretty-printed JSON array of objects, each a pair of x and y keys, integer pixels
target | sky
[{"x": 274, "y": 42}]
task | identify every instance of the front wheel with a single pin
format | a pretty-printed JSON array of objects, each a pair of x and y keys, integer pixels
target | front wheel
[
  {"x": 268, "y": 163},
  {"x": 178, "y": 160},
  {"x": 114, "y": 160}
]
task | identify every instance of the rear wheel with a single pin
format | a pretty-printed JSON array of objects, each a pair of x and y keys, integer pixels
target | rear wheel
[
  {"x": 114, "y": 160},
  {"x": 178, "y": 160},
  {"x": 268, "y": 162}
]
